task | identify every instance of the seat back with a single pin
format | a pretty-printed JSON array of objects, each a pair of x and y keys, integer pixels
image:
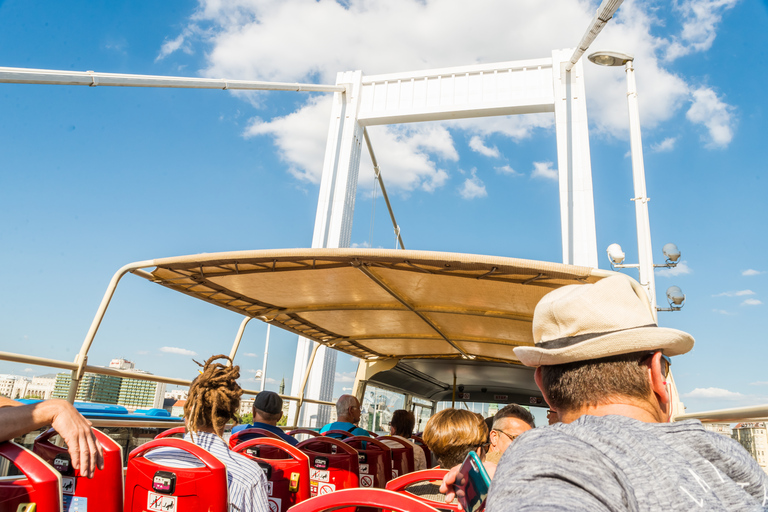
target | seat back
[
  {"x": 375, "y": 460},
  {"x": 106, "y": 485},
  {"x": 374, "y": 498},
  {"x": 150, "y": 486},
  {"x": 287, "y": 470},
  {"x": 249, "y": 433},
  {"x": 402, "y": 457},
  {"x": 175, "y": 431},
  {"x": 400, "y": 484},
  {"x": 40, "y": 485},
  {"x": 337, "y": 434},
  {"x": 333, "y": 465},
  {"x": 427, "y": 452}
]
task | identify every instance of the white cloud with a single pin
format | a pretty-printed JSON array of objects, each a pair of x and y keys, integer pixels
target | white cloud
[
  {"x": 250, "y": 354},
  {"x": 142, "y": 352},
  {"x": 682, "y": 268},
  {"x": 722, "y": 312},
  {"x": 716, "y": 115},
  {"x": 667, "y": 144},
  {"x": 476, "y": 144},
  {"x": 759, "y": 383},
  {"x": 177, "y": 350},
  {"x": 714, "y": 393},
  {"x": 700, "y": 20},
  {"x": 473, "y": 187},
  {"x": 364, "y": 245},
  {"x": 28, "y": 370},
  {"x": 739, "y": 293},
  {"x": 346, "y": 389},
  {"x": 404, "y": 151},
  {"x": 506, "y": 169},
  {"x": 544, "y": 170},
  {"x": 345, "y": 377},
  {"x": 752, "y": 302},
  {"x": 295, "y": 40},
  {"x": 752, "y": 272},
  {"x": 270, "y": 380}
]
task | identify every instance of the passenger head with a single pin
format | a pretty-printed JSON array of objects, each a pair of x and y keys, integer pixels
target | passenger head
[
  {"x": 508, "y": 423},
  {"x": 268, "y": 408},
  {"x": 452, "y": 433},
  {"x": 214, "y": 396},
  {"x": 348, "y": 409},
  {"x": 599, "y": 344},
  {"x": 402, "y": 423}
]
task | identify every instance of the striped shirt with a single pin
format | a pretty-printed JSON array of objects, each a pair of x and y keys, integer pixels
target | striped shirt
[{"x": 246, "y": 481}]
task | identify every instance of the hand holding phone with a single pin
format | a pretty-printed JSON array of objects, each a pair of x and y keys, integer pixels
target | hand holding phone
[{"x": 472, "y": 484}]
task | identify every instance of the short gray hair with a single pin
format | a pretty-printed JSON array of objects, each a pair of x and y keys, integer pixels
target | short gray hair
[
  {"x": 344, "y": 403},
  {"x": 514, "y": 411}
]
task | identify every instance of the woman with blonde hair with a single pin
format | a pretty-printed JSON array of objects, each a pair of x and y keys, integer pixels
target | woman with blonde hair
[{"x": 450, "y": 434}]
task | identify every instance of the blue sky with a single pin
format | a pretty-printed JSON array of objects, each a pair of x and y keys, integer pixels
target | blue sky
[{"x": 94, "y": 178}]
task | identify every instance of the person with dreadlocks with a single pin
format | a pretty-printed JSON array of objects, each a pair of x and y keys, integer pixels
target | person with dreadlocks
[{"x": 213, "y": 400}]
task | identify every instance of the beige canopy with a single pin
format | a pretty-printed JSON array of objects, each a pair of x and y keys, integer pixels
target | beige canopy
[{"x": 373, "y": 303}]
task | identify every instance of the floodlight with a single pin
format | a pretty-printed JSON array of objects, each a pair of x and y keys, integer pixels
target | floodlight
[
  {"x": 615, "y": 254},
  {"x": 257, "y": 375},
  {"x": 671, "y": 252},
  {"x": 606, "y": 58},
  {"x": 675, "y": 296}
]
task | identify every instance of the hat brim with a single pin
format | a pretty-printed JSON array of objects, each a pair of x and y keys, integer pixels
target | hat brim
[{"x": 671, "y": 342}]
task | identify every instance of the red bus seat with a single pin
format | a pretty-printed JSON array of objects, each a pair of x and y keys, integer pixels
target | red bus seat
[
  {"x": 333, "y": 465},
  {"x": 427, "y": 452},
  {"x": 303, "y": 432},
  {"x": 288, "y": 475},
  {"x": 402, "y": 458},
  {"x": 175, "y": 431},
  {"x": 154, "y": 487},
  {"x": 249, "y": 433},
  {"x": 343, "y": 433},
  {"x": 106, "y": 485},
  {"x": 40, "y": 485},
  {"x": 401, "y": 483},
  {"x": 375, "y": 461},
  {"x": 376, "y": 498}
]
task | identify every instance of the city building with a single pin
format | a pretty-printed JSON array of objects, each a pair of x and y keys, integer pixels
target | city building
[
  {"x": 178, "y": 408},
  {"x": 110, "y": 389},
  {"x": 719, "y": 428},
  {"x": 177, "y": 394},
  {"x": 246, "y": 406},
  {"x": 754, "y": 438}
]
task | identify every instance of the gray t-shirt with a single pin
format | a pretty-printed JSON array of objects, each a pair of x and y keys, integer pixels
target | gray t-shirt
[{"x": 617, "y": 463}]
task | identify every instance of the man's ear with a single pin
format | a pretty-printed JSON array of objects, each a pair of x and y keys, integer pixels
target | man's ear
[
  {"x": 540, "y": 383},
  {"x": 658, "y": 382}
]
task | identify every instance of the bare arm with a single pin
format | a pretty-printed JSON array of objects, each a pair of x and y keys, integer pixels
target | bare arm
[{"x": 17, "y": 419}]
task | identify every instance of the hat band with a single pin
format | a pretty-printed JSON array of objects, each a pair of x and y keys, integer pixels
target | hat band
[{"x": 573, "y": 340}]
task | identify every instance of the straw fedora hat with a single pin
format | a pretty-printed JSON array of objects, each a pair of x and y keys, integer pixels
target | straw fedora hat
[{"x": 589, "y": 321}]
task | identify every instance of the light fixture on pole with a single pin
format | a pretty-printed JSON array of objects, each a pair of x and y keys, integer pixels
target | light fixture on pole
[{"x": 645, "y": 253}]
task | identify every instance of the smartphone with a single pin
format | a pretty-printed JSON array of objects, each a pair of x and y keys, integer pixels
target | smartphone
[{"x": 472, "y": 484}]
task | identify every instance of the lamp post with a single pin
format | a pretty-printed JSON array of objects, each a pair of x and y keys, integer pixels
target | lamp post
[{"x": 645, "y": 253}]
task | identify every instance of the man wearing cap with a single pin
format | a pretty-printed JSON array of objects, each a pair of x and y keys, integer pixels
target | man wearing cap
[
  {"x": 602, "y": 363},
  {"x": 267, "y": 411}
]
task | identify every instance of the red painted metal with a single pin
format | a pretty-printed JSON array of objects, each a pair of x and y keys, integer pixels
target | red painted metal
[
  {"x": 172, "y": 432},
  {"x": 248, "y": 434},
  {"x": 202, "y": 489},
  {"x": 401, "y": 483},
  {"x": 402, "y": 458},
  {"x": 106, "y": 485},
  {"x": 40, "y": 485},
  {"x": 378, "y": 498},
  {"x": 375, "y": 460}
]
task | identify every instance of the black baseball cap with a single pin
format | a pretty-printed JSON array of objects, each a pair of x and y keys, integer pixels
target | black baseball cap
[{"x": 269, "y": 402}]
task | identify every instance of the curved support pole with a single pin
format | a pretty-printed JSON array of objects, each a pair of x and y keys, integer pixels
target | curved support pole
[
  {"x": 304, "y": 384},
  {"x": 238, "y": 337},
  {"x": 82, "y": 357}
]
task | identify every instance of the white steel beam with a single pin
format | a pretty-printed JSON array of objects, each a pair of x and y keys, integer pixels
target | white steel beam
[
  {"x": 577, "y": 210},
  {"x": 93, "y": 79},
  {"x": 506, "y": 88}
]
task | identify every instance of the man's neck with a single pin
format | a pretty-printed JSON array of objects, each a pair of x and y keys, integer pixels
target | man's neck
[
  {"x": 259, "y": 419},
  {"x": 641, "y": 411},
  {"x": 345, "y": 419}
]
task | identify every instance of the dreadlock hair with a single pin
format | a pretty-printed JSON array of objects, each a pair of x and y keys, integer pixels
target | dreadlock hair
[{"x": 214, "y": 396}]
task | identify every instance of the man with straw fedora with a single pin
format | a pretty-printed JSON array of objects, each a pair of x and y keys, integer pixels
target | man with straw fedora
[{"x": 602, "y": 364}]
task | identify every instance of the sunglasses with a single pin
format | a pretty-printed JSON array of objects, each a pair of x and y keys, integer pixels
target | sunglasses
[
  {"x": 511, "y": 438},
  {"x": 665, "y": 361}
]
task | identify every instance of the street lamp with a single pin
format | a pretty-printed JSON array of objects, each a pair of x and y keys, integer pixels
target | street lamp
[{"x": 645, "y": 253}]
